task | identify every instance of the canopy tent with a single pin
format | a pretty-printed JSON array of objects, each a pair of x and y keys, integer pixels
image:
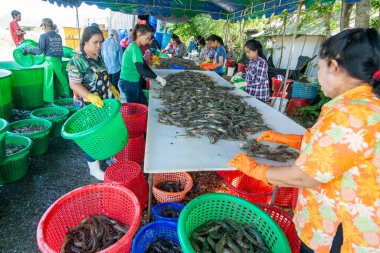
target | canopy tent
[{"x": 183, "y": 10}]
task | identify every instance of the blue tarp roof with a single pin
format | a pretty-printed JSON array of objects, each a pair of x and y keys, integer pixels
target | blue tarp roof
[{"x": 182, "y": 10}]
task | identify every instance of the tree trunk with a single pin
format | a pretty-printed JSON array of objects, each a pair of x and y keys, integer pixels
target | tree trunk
[
  {"x": 363, "y": 13},
  {"x": 345, "y": 15},
  {"x": 327, "y": 18}
]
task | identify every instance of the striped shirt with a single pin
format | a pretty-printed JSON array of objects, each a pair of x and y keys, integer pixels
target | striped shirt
[{"x": 257, "y": 79}]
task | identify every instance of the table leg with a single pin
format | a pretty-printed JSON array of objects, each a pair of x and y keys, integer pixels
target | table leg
[
  {"x": 275, "y": 190},
  {"x": 150, "y": 183}
]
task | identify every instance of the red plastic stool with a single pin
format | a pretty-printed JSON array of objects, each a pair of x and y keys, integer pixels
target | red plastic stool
[
  {"x": 279, "y": 94},
  {"x": 129, "y": 175},
  {"x": 133, "y": 151},
  {"x": 135, "y": 118},
  {"x": 296, "y": 103},
  {"x": 242, "y": 67}
]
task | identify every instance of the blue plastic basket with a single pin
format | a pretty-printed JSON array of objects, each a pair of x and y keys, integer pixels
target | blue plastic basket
[
  {"x": 153, "y": 231},
  {"x": 158, "y": 209},
  {"x": 177, "y": 67},
  {"x": 305, "y": 90}
]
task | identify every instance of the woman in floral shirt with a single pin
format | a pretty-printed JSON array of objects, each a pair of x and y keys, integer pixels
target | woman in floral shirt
[{"x": 338, "y": 170}]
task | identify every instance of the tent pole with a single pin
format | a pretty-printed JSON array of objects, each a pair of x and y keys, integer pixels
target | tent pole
[
  {"x": 76, "y": 9},
  {"x": 291, "y": 53}
]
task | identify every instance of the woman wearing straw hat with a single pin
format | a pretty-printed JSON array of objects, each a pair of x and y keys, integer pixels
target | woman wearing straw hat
[{"x": 50, "y": 44}]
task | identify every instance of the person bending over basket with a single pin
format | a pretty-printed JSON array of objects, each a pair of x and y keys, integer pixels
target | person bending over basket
[
  {"x": 89, "y": 80},
  {"x": 132, "y": 66},
  {"x": 338, "y": 170}
]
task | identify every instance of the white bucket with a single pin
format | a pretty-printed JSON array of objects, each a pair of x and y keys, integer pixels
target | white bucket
[
  {"x": 230, "y": 71},
  {"x": 276, "y": 104}
]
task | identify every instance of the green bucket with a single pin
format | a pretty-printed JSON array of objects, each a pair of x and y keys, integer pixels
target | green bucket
[
  {"x": 215, "y": 206},
  {"x": 67, "y": 103},
  {"x": 43, "y": 113},
  {"x": 4, "y": 126},
  {"x": 27, "y": 85},
  {"x": 15, "y": 166},
  {"x": 100, "y": 132},
  {"x": 40, "y": 138},
  {"x": 68, "y": 52},
  {"x": 5, "y": 94},
  {"x": 29, "y": 59}
]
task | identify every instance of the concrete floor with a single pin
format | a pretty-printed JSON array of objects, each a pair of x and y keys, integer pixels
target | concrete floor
[{"x": 51, "y": 175}]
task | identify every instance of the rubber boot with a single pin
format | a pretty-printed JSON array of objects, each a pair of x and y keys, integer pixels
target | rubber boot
[{"x": 95, "y": 170}]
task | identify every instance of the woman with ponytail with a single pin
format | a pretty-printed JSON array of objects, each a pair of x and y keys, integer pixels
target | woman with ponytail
[
  {"x": 338, "y": 169},
  {"x": 220, "y": 53},
  {"x": 50, "y": 44},
  {"x": 257, "y": 72}
]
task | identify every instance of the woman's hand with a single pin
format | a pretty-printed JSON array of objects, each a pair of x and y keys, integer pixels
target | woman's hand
[
  {"x": 115, "y": 93},
  {"x": 95, "y": 100}
]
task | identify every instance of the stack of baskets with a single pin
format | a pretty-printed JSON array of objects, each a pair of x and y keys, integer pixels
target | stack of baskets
[
  {"x": 56, "y": 115},
  {"x": 129, "y": 175},
  {"x": 135, "y": 119}
]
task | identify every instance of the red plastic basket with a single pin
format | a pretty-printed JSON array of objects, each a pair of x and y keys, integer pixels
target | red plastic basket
[
  {"x": 295, "y": 104},
  {"x": 129, "y": 175},
  {"x": 135, "y": 118},
  {"x": 286, "y": 224},
  {"x": 247, "y": 187},
  {"x": 295, "y": 198},
  {"x": 133, "y": 151},
  {"x": 183, "y": 178},
  {"x": 68, "y": 211},
  {"x": 284, "y": 196},
  {"x": 276, "y": 84}
]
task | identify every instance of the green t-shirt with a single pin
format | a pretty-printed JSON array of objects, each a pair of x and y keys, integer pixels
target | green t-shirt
[{"x": 128, "y": 68}]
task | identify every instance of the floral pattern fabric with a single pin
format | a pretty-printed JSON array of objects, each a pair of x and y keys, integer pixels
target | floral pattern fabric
[{"x": 342, "y": 151}]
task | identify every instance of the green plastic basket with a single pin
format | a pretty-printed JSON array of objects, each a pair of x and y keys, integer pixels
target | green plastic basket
[
  {"x": 40, "y": 139},
  {"x": 57, "y": 121},
  {"x": 68, "y": 52},
  {"x": 100, "y": 132},
  {"x": 15, "y": 166},
  {"x": 29, "y": 59},
  {"x": 5, "y": 94},
  {"x": 63, "y": 102},
  {"x": 4, "y": 126},
  {"x": 215, "y": 206}
]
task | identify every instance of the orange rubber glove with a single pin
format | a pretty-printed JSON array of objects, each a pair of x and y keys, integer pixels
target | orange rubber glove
[
  {"x": 292, "y": 140},
  {"x": 250, "y": 167}
]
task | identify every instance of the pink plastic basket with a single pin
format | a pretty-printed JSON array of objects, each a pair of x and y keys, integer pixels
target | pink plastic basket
[{"x": 68, "y": 211}]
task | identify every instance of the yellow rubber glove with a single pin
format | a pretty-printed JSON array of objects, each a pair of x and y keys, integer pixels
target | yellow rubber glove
[
  {"x": 292, "y": 140},
  {"x": 115, "y": 93},
  {"x": 250, "y": 167},
  {"x": 95, "y": 100}
]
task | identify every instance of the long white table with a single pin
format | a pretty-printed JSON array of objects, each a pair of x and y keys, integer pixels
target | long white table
[{"x": 168, "y": 149}]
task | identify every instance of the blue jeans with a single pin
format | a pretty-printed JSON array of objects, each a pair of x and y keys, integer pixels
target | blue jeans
[
  {"x": 133, "y": 92},
  {"x": 88, "y": 158}
]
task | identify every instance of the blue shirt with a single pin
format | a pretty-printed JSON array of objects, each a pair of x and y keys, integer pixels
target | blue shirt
[
  {"x": 50, "y": 44},
  {"x": 192, "y": 45},
  {"x": 112, "y": 54},
  {"x": 220, "y": 51}
]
